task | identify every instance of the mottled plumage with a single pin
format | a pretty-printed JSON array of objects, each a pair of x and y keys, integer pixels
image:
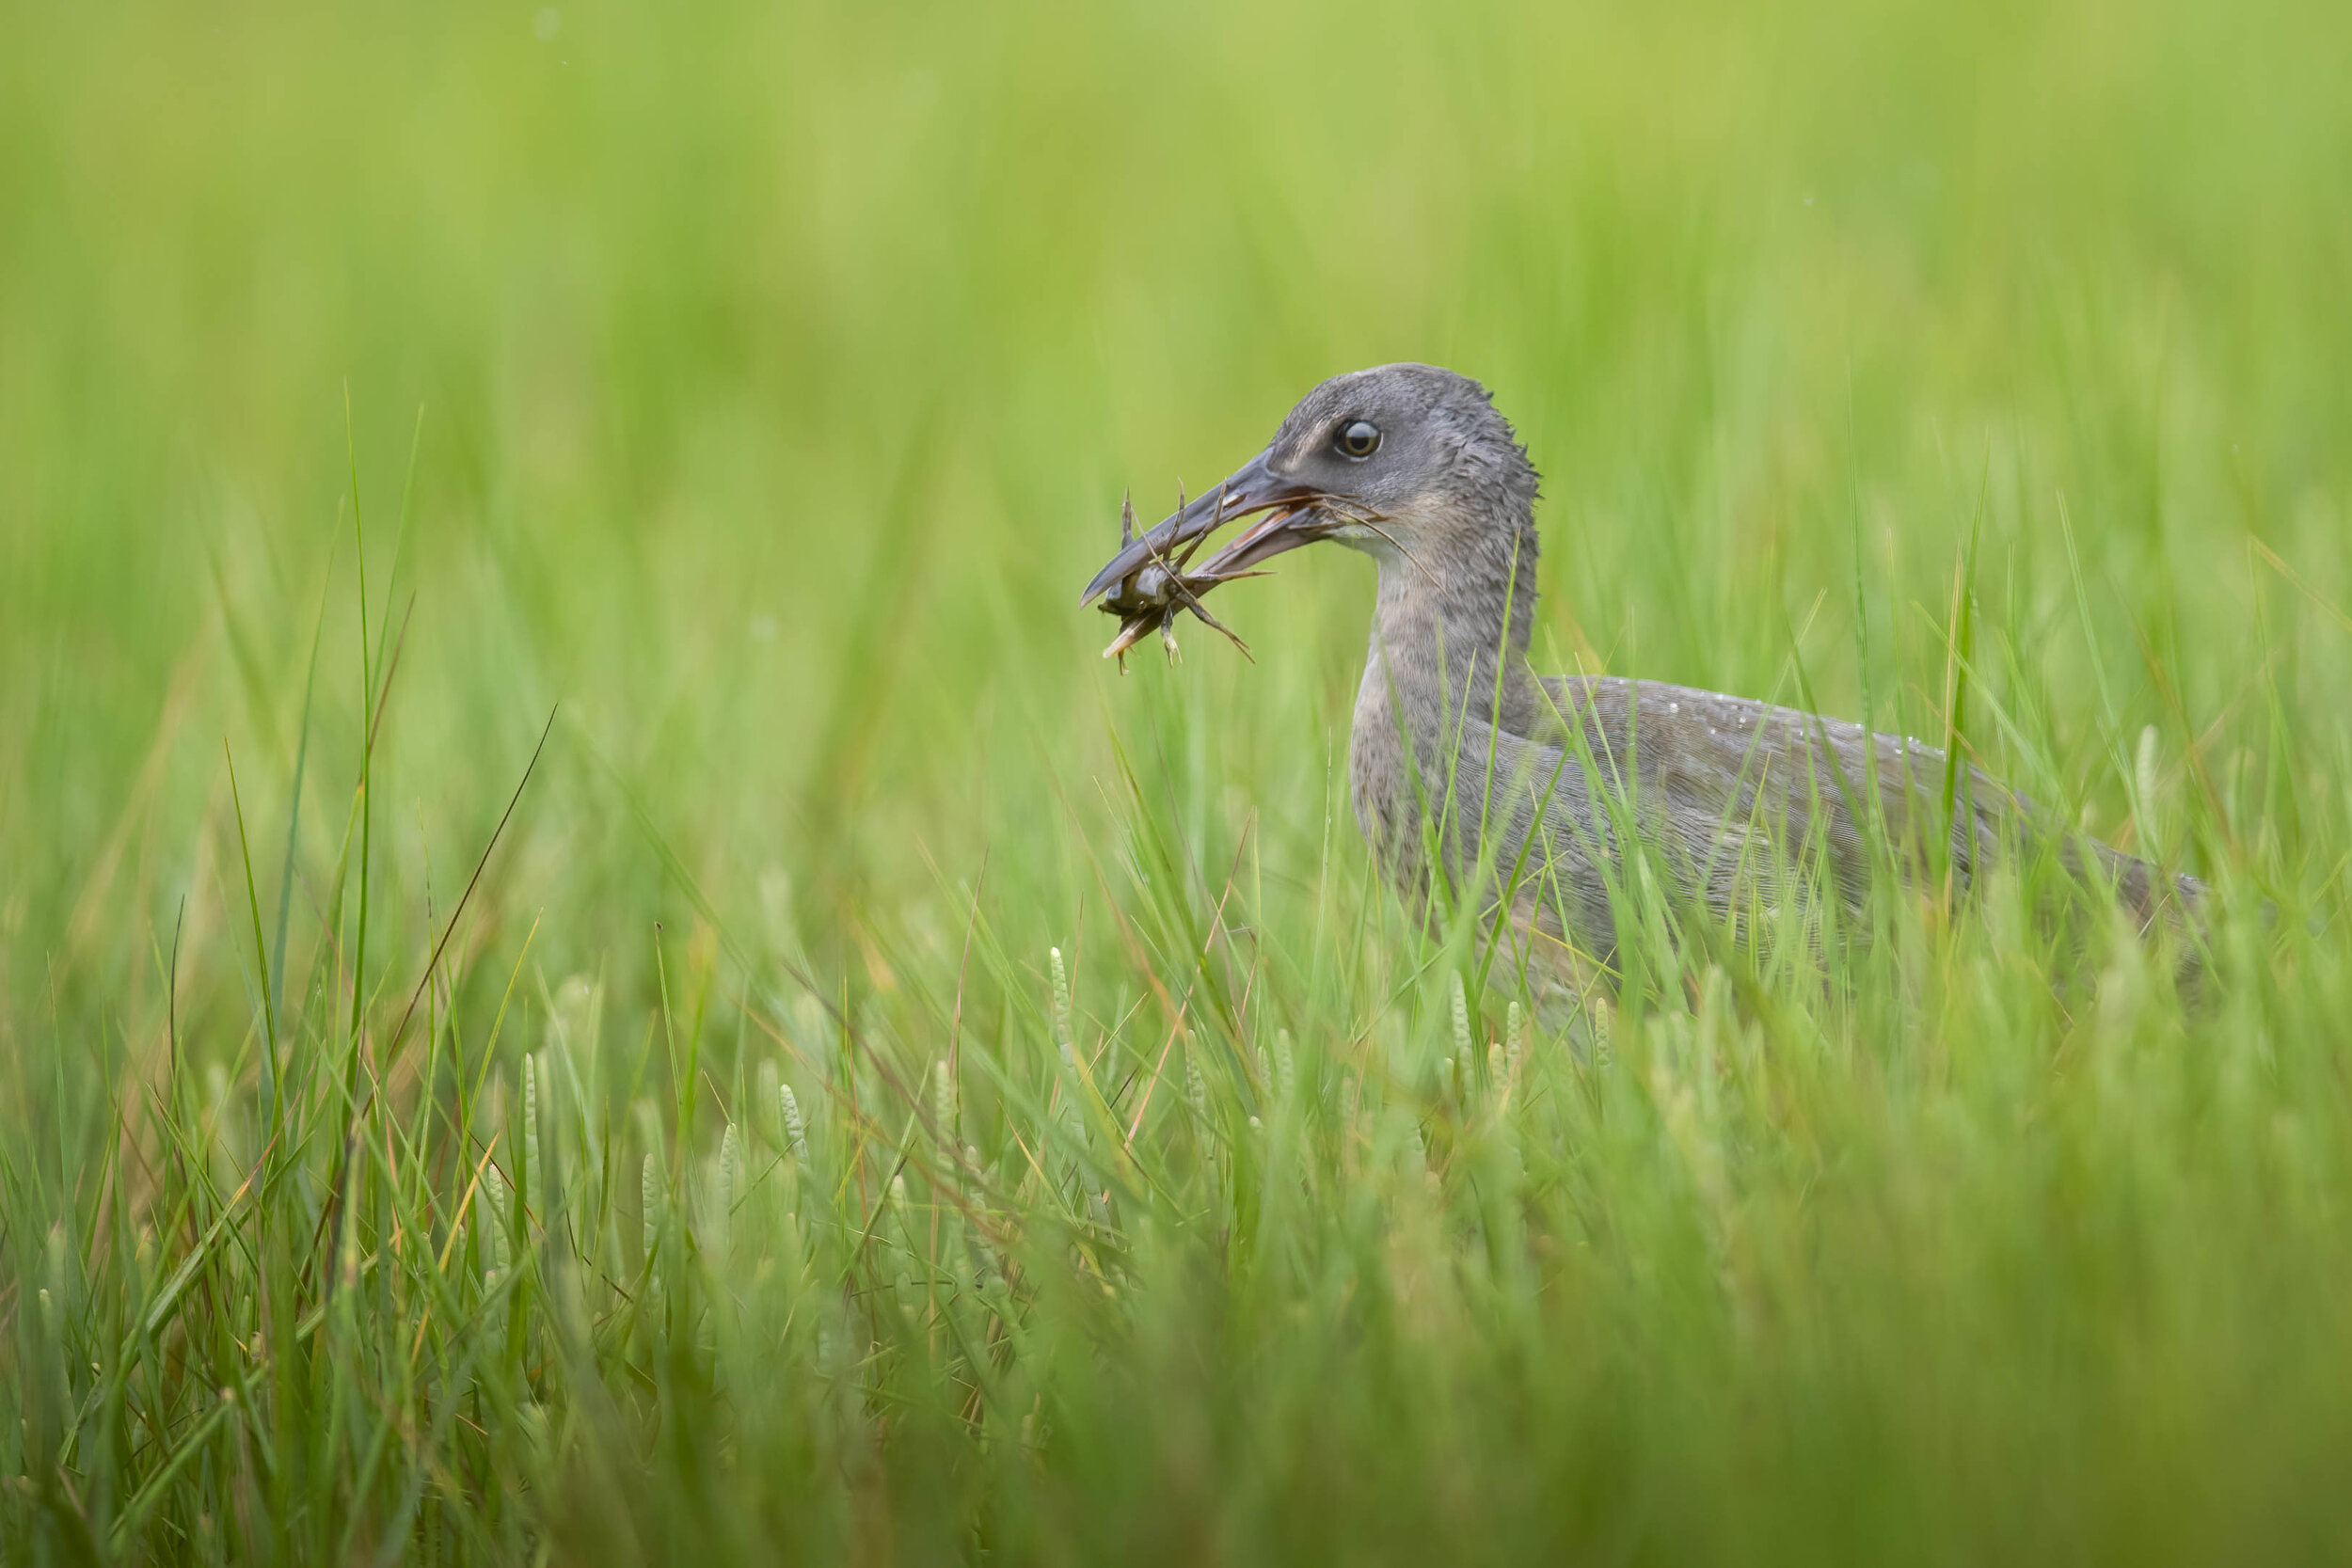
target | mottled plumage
[{"x": 1525, "y": 786}]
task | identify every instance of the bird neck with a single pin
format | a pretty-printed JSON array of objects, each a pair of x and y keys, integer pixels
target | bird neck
[{"x": 1453, "y": 618}]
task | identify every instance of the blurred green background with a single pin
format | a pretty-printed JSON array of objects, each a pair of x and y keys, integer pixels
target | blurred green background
[
  {"x": 679, "y": 308},
  {"x": 759, "y": 384}
]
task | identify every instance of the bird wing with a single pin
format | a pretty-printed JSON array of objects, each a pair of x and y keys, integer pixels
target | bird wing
[{"x": 1739, "y": 805}]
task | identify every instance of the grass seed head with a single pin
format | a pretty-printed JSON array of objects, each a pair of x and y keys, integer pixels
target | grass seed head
[
  {"x": 649, "y": 1203},
  {"x": 498, "y": 1204},
  {"x": 943, "y": 1105},
  {"x": 730, "y": 1168},
  {"x": 795, "y": 1131},
  {"x": 1461, "y": 1017},
  {"x": 1064, "y": 1038},
  {"x": 533, "y": 1180}
]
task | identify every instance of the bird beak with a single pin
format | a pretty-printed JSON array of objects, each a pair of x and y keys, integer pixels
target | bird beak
[{"x": 1252, "y": 488}]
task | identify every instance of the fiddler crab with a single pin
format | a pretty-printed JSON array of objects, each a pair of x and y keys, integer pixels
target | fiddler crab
[
  {"x": 1148, "y": 598},
  {"x": 1151, "y": 577}
]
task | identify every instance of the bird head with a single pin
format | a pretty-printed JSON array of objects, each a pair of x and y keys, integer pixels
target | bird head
[{"x": 1405, "y": 460}]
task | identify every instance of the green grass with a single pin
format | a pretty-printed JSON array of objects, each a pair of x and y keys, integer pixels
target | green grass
[{"x": 753, "y": 389}]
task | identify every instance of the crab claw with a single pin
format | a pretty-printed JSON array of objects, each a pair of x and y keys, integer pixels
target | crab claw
[{"x": 1130, "y": 633}]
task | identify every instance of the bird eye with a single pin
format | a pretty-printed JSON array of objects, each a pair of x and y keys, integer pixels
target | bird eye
[{"x": 1359, "y": 439}]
